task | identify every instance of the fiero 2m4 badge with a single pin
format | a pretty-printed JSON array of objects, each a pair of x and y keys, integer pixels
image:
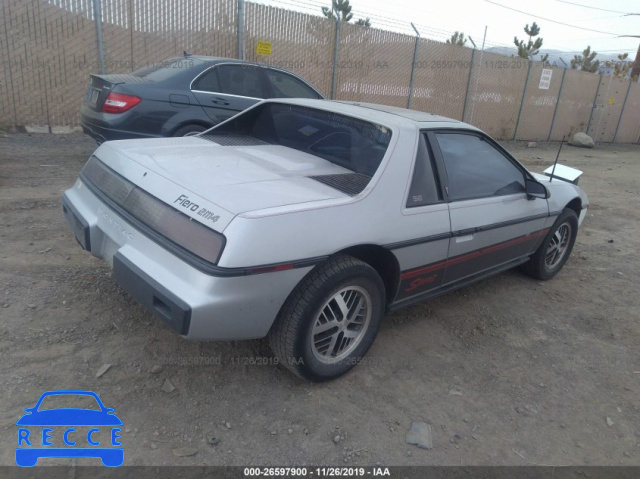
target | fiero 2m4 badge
[
  {"x": 87, "y": 430},
  {"x": 186, "y": 203}
]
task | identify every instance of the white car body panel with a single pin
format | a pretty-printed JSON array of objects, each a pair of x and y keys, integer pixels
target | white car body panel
[
  {"x": 561, "y": 193},
  {"x": 235, "y": 178}
]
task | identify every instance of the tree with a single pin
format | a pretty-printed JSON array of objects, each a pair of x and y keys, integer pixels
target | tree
[
  {"x": 340, "y": 9},
  {"x": 622, "y": 67},
  {"x": 531, "y": 48},
  {"x": 457, "y": 38},
  {"x": 585, "y": 61}
]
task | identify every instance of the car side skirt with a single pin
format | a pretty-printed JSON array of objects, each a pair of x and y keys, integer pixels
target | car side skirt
[
  {"x": 430, "y": 294},
  {"x": 422, "y": 280}
]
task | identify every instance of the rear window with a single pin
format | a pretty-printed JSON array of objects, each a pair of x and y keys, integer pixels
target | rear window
[
  {"x": 354, "y": 144},
  {"x": 287, "y": 86},
  {"x": 166, "y": 69}
]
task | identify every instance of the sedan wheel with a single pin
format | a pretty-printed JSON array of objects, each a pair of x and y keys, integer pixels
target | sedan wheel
[
  {"x": 329, "y": 322},
  {"x": 189, "y": 130}
]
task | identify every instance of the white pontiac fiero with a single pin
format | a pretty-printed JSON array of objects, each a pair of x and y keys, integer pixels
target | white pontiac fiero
[{"x": 306, "y": 220}]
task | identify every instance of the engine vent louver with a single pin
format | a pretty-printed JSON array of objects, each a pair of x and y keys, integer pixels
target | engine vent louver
[
  {"x": 349, "y": 183},
  {"x": 233, "y": 140}
]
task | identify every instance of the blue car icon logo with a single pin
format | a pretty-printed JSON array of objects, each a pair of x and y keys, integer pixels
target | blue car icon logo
[{"x": 69, "y": 432}]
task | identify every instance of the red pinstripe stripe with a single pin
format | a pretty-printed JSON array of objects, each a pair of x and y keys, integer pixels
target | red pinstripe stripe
[{"x": 474, "y": 254}]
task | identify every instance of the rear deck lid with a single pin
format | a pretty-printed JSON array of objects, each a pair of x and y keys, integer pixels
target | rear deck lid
[{"x": 197, "y": 176}]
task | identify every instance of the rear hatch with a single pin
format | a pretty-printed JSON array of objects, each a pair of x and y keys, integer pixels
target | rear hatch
[{"x": 101, "y": 85}]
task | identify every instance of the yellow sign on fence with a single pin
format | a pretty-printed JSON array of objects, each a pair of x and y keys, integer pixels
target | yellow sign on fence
[{"x": 263, "y": 48}]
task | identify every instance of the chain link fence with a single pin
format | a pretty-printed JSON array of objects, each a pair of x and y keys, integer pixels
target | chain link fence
[{"x": 49, "y": 48}]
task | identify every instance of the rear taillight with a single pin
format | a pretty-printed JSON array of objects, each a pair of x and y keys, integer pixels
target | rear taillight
[
  {"x": 119, "y": 103},
  {"x": 156, "y": 215}
]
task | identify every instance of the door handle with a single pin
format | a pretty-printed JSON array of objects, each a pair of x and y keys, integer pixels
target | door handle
[
  {"x": 465, "y": 235},
  {"x": 220, "y": 101},
  {"x": 462, "y": 239}
]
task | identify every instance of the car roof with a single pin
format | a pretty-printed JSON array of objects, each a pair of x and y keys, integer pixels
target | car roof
[
  {"x": 414, "y": 115},
  {"x": 383, "y": 114},
  {"x": 215, "y": 60}
]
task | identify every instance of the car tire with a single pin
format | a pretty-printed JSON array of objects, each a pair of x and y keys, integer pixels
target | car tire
[
  {"x": 189, "y": 130},
  {"x": 340, "y": 298},
  {"x": 556, "y": 248}
]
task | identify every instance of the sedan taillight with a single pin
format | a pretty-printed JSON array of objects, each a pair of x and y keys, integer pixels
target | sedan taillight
[{"x": 119, "y": 103}]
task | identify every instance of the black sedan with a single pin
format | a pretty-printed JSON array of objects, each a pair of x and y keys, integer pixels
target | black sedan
[{"x": 182, "y": 96}]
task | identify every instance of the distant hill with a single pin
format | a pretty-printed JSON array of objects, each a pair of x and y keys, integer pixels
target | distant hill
[{"x": 556, "y": 57}]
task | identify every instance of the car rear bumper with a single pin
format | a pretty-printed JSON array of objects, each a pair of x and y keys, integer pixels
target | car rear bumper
[
  {"x": 195, "y": 304},
  {"x": 109, "y": 126}
]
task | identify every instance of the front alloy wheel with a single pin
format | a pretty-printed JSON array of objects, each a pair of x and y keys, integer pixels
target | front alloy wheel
[
  {"x": 558, "y": 246},
  {"x": 554, "y": 251}
]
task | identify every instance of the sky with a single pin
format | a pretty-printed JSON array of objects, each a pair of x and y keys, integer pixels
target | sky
[{"x": 439, "y": 19}]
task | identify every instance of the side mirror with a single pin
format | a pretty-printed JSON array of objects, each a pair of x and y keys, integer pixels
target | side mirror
[{"x": 535, "y": 189}]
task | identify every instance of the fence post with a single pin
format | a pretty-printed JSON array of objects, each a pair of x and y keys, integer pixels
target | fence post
[
  {"x": 624, "y": 105},
  {"x": 240, "y": 29},
  {"x": 466, "y": 94},
  {"x": 595, "y": 99},
  {"x": 604, "y": 106},
  {"x": 9, "y": 68},
  {"x": 413, "y": 65},
  {"x": 524, "y": 97},
  {"x": 475, "y": 93},
  {"x": 555, "y": 110},
  {"x": 131, "y": 26},
  {"x": 336, "y": 42},
  {"x": 97, "y": 17}
]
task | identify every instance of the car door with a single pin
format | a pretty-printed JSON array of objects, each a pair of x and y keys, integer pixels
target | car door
[
  {"x": 422, "y": 259},
  {"x": 493, "y": 222},
  {"x": 226, "y": 89}
]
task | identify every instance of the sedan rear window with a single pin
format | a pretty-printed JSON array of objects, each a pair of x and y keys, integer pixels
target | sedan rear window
[
  {"x": 354, "y": 144},
  {"x": 286, "y": 86}
]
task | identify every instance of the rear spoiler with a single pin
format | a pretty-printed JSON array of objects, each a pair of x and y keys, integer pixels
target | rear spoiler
[{"x": 118, "y": 78}]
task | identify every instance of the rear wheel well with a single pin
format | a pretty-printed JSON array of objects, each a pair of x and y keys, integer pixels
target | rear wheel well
[
  {"x": 203, "y": 124},
  {"x": 383, "y": 261},
  {"x": 575, "y": 205}
]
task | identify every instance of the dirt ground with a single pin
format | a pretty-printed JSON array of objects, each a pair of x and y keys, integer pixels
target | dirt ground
[{"x": 509, "y": 371}]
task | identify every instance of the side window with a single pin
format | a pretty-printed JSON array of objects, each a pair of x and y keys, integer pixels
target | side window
[
  {"x": 208, "y": 81},
  {"x": 287, "y": 86},
  {"x": 423, "y": 190},
  {"x": 241, "y": 80},
  {"x": 476, "y": 169}
]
